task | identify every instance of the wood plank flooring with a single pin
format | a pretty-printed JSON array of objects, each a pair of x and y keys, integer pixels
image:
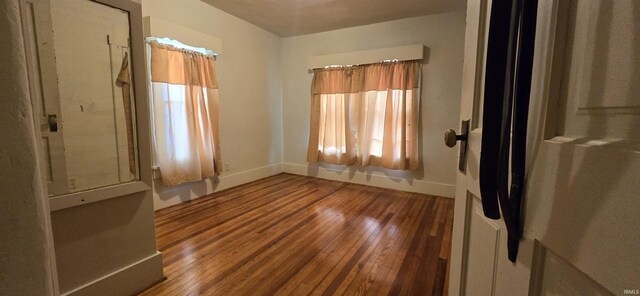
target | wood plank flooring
[{"x": 296, "y": 235}]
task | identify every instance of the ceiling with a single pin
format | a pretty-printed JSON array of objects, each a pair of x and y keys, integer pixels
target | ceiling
[{"x": 297, "y": 17}]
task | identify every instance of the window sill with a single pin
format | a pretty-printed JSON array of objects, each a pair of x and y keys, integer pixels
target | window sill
[{"x": 70, "y": 200}]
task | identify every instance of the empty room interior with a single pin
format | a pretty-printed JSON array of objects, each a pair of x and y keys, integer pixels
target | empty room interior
[{"x": 320, "y": 147}]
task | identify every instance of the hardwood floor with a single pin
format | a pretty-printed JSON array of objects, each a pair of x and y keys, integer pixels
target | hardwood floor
[{"x": 295, "y": 235}]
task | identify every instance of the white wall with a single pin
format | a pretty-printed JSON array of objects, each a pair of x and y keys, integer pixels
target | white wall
[
  {"x": 25, "y": 230},
  {"x": 250, "y": 96},
  {"x": 443, "y": 34},
  {"x": 264, "y": 97}
]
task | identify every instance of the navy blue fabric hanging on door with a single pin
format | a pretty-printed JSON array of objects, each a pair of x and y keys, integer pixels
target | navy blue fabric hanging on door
[{"x": 506, "y": 106}]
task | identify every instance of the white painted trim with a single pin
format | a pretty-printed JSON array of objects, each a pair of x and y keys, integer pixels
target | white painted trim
[
  {"x": 125, "y": 281},
  {"x": 167, "y": 196},
  {"x": 401, "y": 53},
  {"x": 418, "y": 186},
  {"x": 157, "y": 27},
  {"x": 60, "y": 202}
]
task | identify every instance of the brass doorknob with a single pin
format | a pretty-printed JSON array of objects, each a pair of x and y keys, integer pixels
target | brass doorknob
[{"x": 451, "y": 138}]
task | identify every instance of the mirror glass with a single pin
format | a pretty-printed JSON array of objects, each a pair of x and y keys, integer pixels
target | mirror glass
[{"x": 87, "y": 104}]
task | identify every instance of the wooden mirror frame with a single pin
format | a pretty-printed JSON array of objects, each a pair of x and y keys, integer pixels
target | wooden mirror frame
[{"x": 142, "y": 114}]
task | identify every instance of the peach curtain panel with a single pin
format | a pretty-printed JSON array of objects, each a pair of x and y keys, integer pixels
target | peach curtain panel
[
  {"x": 366, "y": 115},
  {"x": 185, "y": 112}
]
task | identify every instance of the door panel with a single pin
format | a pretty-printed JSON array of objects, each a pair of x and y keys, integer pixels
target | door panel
[
  {"x": 484, "y": 264},
  {"x": 600, "y": 93},
  {"x": 473, "y": 162},
  {"x": 560, "y": 278},
  {"x": 583, "y": 159},
  {"x": 583, "y": 202},
  {"x": 44, "y": 90},
  {"x": 482, "y": 36},
  {"x": 483, "y": 239},
  {"x": 467, "y": 181},
  {"x": 583, "y": 185}
]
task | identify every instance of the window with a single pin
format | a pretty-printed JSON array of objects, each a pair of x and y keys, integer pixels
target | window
[
  {"x": 366, "y": 115},
  {"x": 184, "y": 95}
]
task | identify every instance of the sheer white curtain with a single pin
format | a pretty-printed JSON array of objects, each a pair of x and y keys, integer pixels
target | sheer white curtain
[
  {"x": 366, "y": 115},
  {"x": 332, "y": 138},
  {"x": 185, "y": 111}
]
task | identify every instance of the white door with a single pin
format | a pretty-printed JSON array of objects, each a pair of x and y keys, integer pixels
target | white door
[
  {"x": 582, "y": 200},
  {"x": 39, "y": 49}
]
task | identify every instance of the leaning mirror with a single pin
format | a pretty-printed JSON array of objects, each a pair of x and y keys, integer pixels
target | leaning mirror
[{"x": 86, "y": 108}]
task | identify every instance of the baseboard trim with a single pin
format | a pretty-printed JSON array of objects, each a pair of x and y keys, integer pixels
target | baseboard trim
[
  {"x": 125, "y": 281},
  {"x": 431, "y": 188},
  {"x": 168, "y": 196}
]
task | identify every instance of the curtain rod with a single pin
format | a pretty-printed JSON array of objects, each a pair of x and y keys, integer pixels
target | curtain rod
[
  {"x": 186, "y": 47},
  {"x": 357, "y": 65}
]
